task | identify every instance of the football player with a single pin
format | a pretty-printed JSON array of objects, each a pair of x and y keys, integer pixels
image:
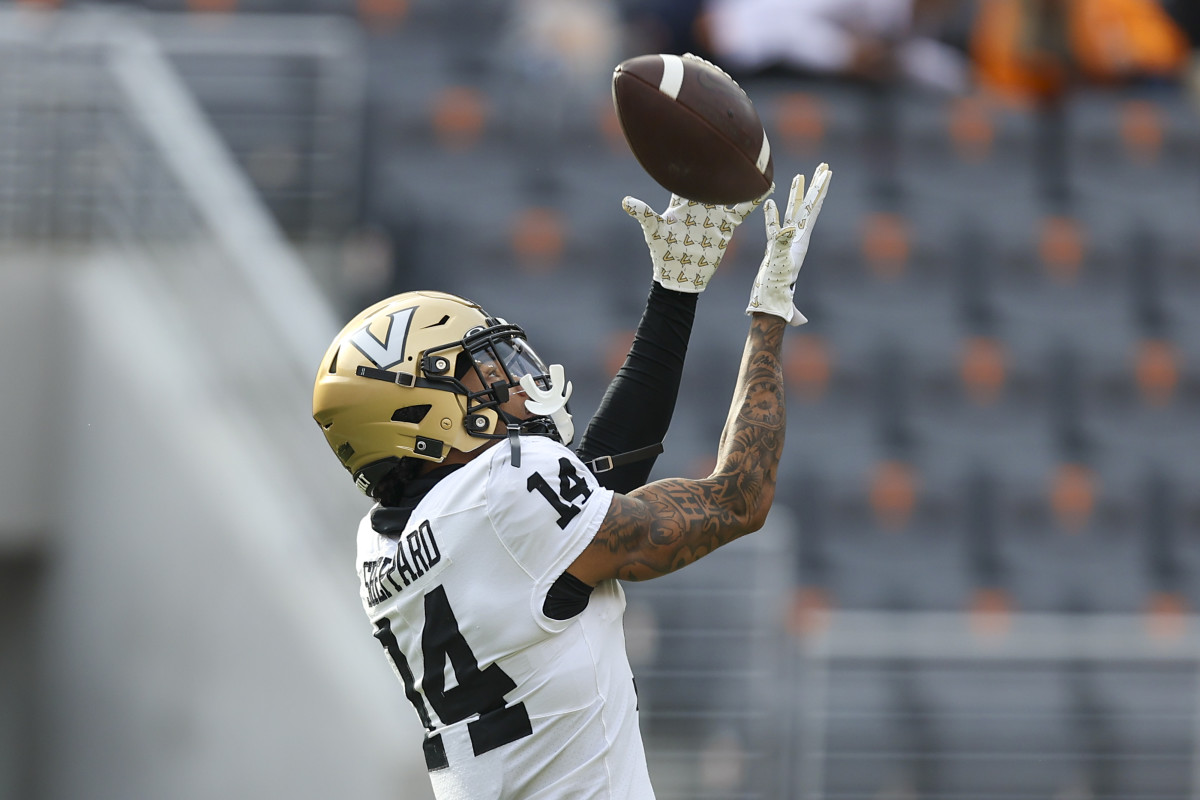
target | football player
[{"x": 489, "y": 564}]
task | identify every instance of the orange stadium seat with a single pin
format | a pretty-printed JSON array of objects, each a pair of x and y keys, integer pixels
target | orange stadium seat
[
  {"x": 1142, "y": 131},
  {"x": 1166, "y": 614},
  {"x": 610, "y": 127},
  {"x": 810, "y": 610},
  {"x": 991, "y": 611},
  {"x": 1156, "y": 367},
  {"x": 886, "y": 244},
  {"x": 539, "y": 238},
  {"x": 893, "y": 493},
  {"x": 983, "y": 367},
  {"x": 971, "y": 128},
  {"x": 381, "y": 15},
  {"x": 1073, "y": 489},
  {"x": 800, "y": 119},
  {"x": 459, "y": 115},
  {"x": 1061, "y": 247},
  {"x": 809, "y": 365},
  {"x": 212, "y": 6}
]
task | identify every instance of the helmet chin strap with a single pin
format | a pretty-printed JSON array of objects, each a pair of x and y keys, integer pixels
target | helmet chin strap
[{"x": 513, "y": 427}]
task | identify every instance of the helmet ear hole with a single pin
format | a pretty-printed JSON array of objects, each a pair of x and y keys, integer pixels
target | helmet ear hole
[{"x": 413, "y": 414}]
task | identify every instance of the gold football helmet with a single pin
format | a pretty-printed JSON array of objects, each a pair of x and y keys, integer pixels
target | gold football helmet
[{"x": 390, "y": 386}]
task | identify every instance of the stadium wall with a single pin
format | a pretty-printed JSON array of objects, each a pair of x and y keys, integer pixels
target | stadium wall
[{"x": 186, "y": 637}]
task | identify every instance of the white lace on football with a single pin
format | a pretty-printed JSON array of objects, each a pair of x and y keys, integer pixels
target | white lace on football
[
  {"x": 688, "y": 240},
  {"x": 787, "y": 244},
  {"x": 694, "y": 57}
]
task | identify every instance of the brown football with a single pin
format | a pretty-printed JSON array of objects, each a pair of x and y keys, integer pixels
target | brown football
[{"x": 692, "y": 128}]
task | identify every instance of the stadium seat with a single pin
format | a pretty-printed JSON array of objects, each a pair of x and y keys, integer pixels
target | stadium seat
[
  {"x": 886, "y": 244},
  {"x": 459, "y": 116},
  {"x": 893, "y": 492},
  {"x": 983, "y": 368},
  {"x": 971, "y": 128},
  {"x": 800, "y": 123},
  {"x": 1062, "y": 247},
  {"x": 809, "y": 365},
  {"x": 1142, "y": 133},
  {"x": 1072, "y": 493},
  {"x": 539, "y": 236},
  {"x": 1156, "y": 368}
]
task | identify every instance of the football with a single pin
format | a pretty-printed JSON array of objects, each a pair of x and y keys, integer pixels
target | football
[{"x": 692, "y": 128}]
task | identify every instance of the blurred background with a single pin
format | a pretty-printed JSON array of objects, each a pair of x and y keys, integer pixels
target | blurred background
[{"x": 978, "y": 580}]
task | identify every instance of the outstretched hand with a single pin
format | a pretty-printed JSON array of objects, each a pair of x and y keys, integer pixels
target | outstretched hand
[
  {"x": 688, "y": 240},
  {"x": 787, "y": 244}
]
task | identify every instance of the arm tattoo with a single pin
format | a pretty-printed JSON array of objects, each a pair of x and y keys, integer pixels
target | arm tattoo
[{"x": 670, "y": 523}]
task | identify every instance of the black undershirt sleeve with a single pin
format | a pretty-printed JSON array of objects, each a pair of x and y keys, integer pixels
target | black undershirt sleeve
[
  {"x": 637, "y": 407},
  {"x": 567, "y": 598}
]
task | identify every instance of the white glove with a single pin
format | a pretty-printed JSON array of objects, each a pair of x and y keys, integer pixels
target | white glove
[
  {"x": 551, "y": 402},
  {"x": 687, "y": 242},
  {"x": 786, "y": 248}
]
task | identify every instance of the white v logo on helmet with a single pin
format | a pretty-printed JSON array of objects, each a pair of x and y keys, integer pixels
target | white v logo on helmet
[{"x": 390, "y": 351}]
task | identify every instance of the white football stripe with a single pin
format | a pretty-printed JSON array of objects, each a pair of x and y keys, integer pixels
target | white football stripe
[
  {"x": 764, "y": 155},
  {"x": 672, "y": 77}
]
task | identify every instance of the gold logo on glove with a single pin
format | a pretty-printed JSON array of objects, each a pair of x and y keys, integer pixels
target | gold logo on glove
[{"x": 671, "y": 237}]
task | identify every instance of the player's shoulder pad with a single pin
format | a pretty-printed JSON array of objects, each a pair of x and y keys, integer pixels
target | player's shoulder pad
[
  {"x": 550, "y": 484},
  {"x": 539, "y": 454}
]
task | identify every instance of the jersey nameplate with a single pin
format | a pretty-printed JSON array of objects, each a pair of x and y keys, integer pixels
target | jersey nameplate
[{"x": 417, "y": 555}]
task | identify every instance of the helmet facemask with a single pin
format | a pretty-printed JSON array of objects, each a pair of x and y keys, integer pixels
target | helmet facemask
[{"x": 494, "y": 358}]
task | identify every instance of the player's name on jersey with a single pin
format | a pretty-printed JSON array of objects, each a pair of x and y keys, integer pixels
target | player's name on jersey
[{"x": 417, "y": 553}]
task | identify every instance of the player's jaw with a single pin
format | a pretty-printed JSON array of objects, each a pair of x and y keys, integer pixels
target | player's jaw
[{"x": 513, "y": 407}]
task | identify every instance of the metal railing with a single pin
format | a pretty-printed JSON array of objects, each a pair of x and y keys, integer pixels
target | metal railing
[{"x": 1044, "y": 706}]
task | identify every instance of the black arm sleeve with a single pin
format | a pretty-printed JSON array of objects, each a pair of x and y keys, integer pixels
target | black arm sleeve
[{"x": 636, "y": 410}]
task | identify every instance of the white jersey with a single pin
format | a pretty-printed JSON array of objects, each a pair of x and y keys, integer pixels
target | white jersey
[{"x": 515, "y": 704}]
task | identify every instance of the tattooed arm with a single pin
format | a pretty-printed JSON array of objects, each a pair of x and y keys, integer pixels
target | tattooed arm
[{"x": 668, "y": 524}]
